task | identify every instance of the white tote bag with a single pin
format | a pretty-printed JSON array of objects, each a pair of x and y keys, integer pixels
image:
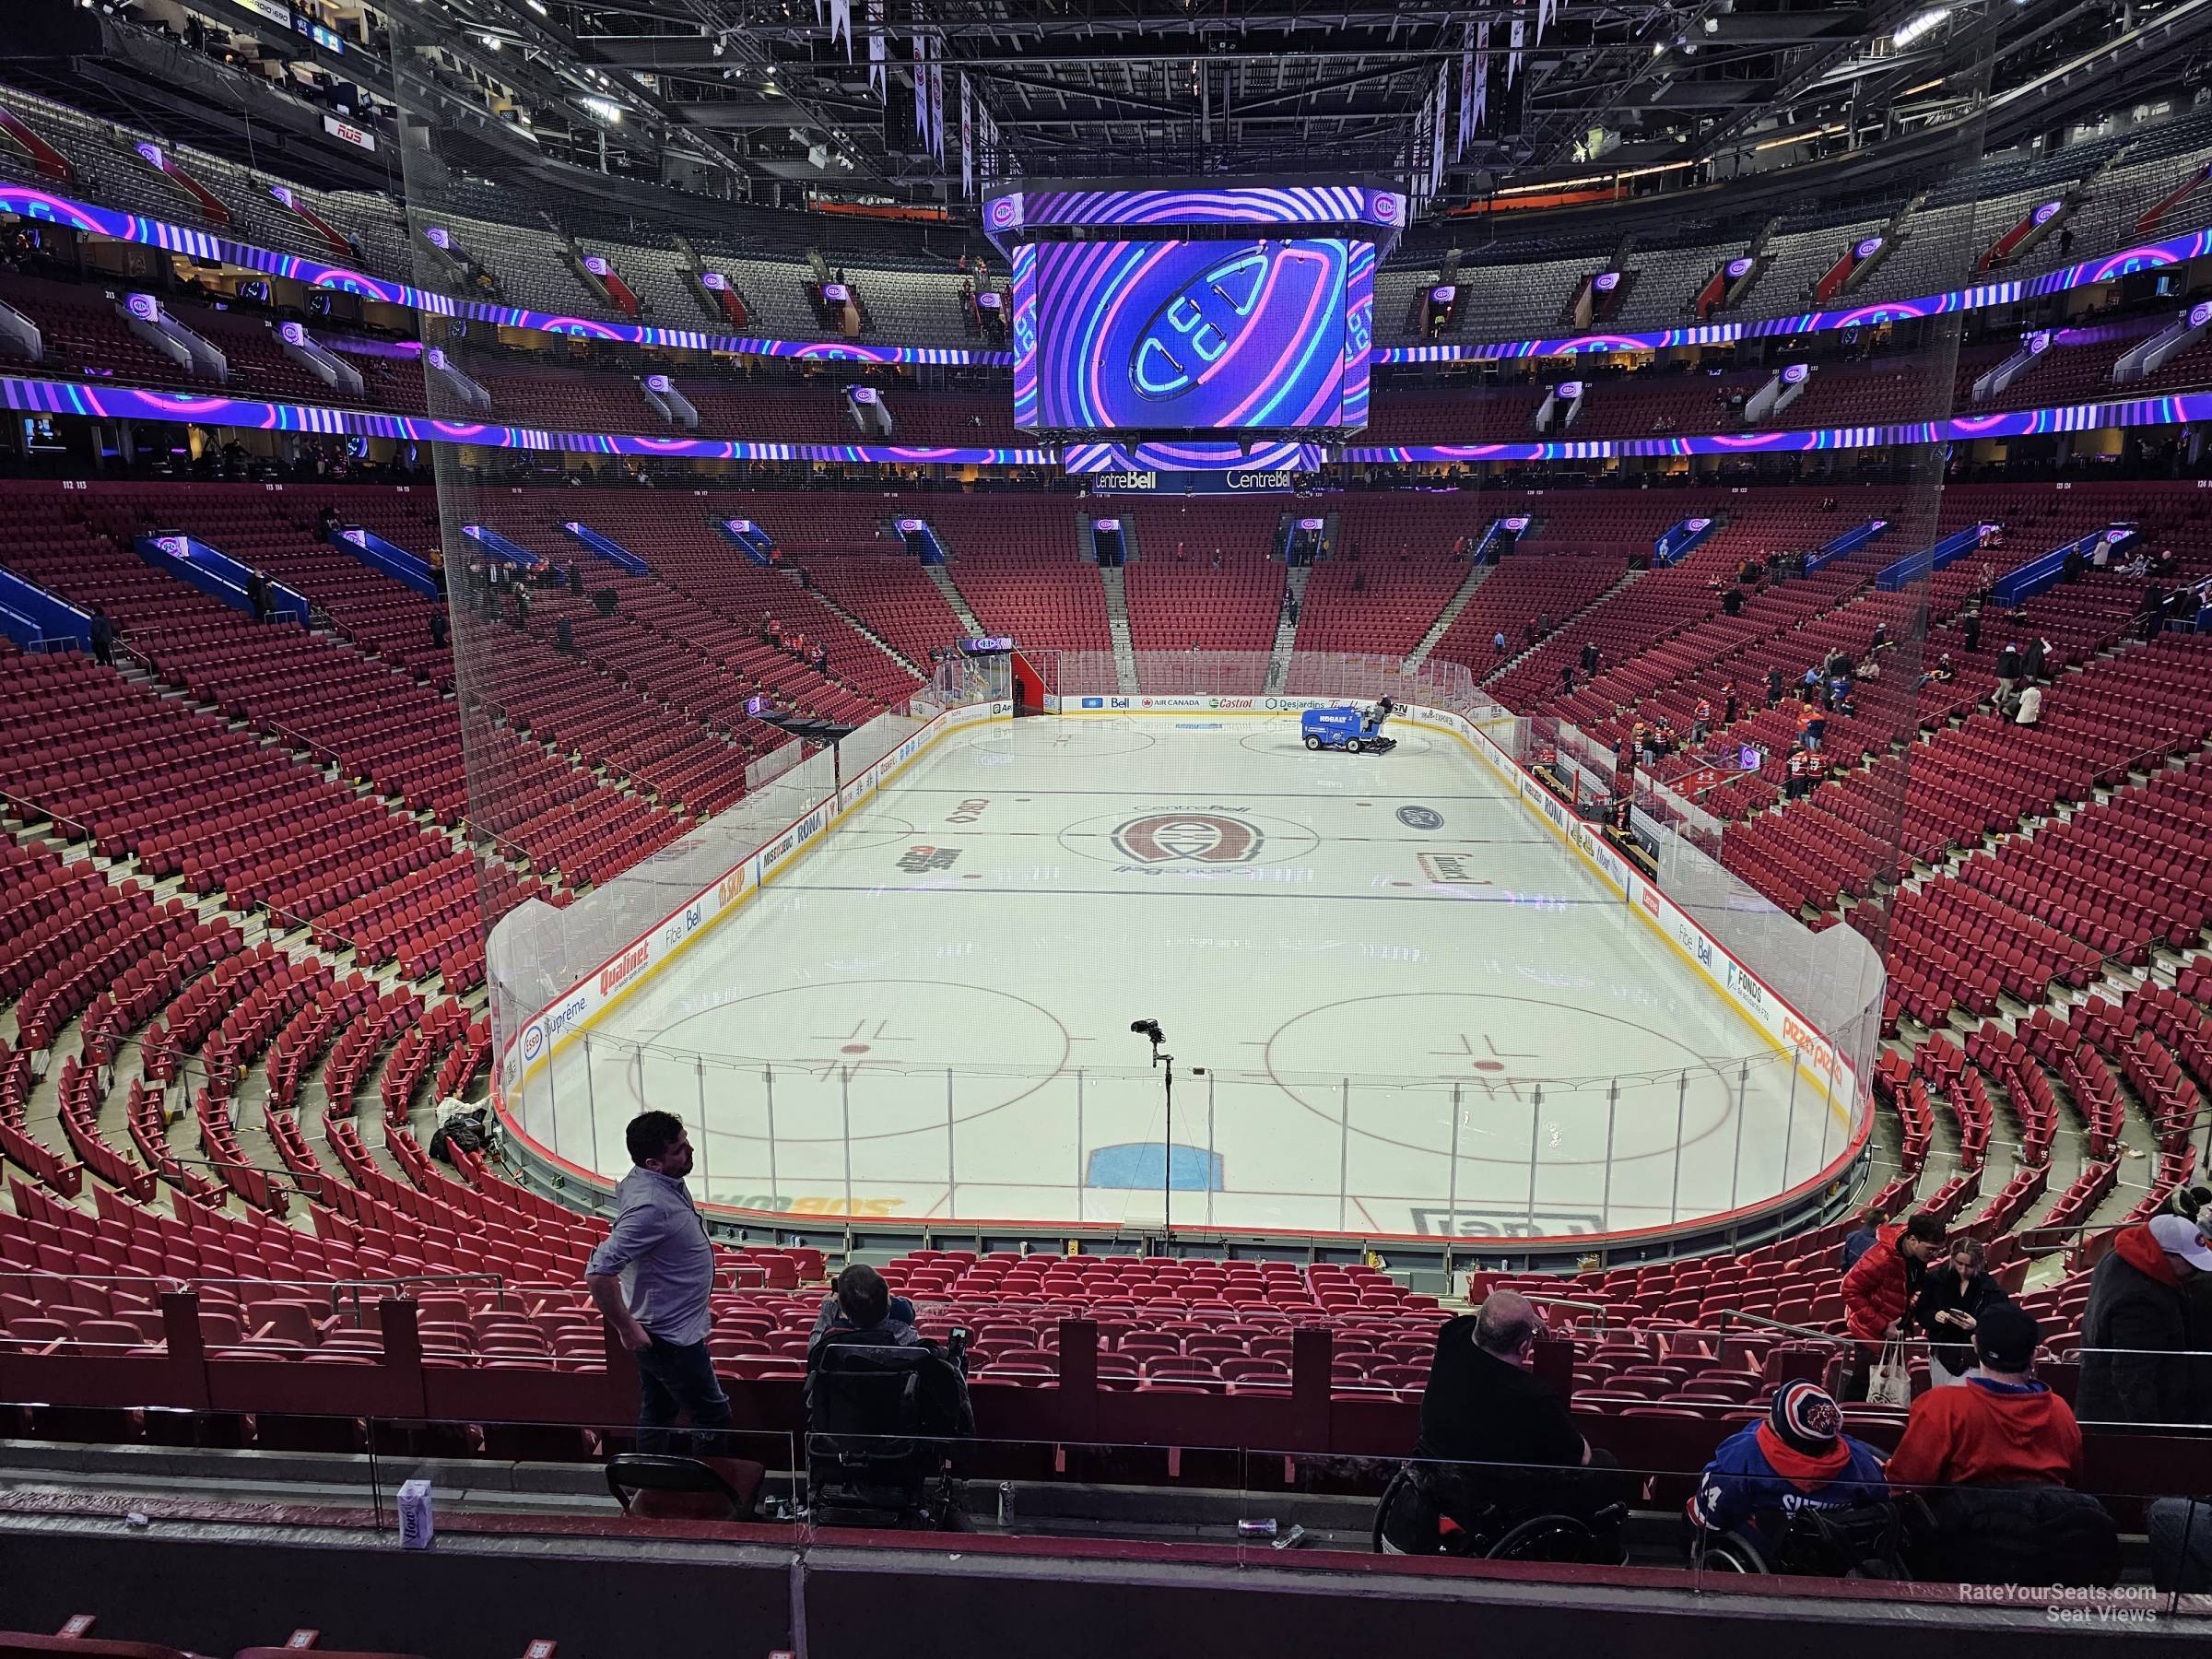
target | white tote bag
[{"x": 1891, "y": 1383}]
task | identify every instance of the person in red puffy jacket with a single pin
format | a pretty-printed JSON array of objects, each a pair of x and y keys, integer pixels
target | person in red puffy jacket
[{"x": 1879, "y": 1293}]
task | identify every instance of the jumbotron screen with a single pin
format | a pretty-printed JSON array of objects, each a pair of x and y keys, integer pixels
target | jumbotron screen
[{"x": 1176, "y": 337}]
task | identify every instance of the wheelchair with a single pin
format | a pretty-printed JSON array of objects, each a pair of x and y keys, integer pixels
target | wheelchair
[
  {"x": 1866, "y": 1541},
  {"x": 1411, "y": 1520},
  {"x": 880, "y": 1424}
]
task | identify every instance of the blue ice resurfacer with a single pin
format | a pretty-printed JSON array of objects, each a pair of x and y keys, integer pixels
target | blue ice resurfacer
[{"x": 1355, "y": 731}]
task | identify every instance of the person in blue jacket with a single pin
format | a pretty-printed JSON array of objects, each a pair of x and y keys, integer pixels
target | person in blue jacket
[{"x": 1797, "y": 1458}]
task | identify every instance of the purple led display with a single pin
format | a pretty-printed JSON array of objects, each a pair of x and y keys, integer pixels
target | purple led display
[
  {"x": 1794, "y": 374},
  {"x": 738, "y": 526},
  {"x": 144, "y": 307},
  {"x": 63, "y": 397},
  {"x": 2048, "y": 211},
  {"x": 910, "y": 526},
  {"x": 1112, "y": 524},
  {"x": 1285, "y": 456},
  {"x": 861, "y": 395},
  {"x": 1201, "y": 336},
  {"x": 1605, "y": 282},
  {"x": 1867, "y": 249},
  {"x": 989, "y": 299},
  {"x": 1739, "y": 267},
  {"x": 438, "y": 236},
  {"x": 836, "y": 293},
  {"x": 32, "y": 203},
  {"x": 1313, "y": 523},
  {"x": 152, "y": 152},
  {"x": 1570, "y": 389},
  {"x": 659, "y": 382},
  {"x": 1444, "y": 293},
  {"x": 291, "y": 333},
  {"x": 1251, "y": 204},
  {"x": 595, "y": 265},
  {"x": 714, "y": 281},
  {"x": 2200, "y": 313}
]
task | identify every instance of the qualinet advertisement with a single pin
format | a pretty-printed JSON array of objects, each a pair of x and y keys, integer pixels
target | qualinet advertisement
[{"x": 583, "y": 1002}]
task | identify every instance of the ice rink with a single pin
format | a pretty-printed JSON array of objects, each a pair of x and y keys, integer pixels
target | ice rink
[{"x": 1416, "y": 1011}]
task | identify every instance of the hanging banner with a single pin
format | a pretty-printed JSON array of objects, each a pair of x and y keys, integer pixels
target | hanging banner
[
  {"x": 921, "y": 90},
  {"x": 967, "y": 140},
  {"x": 1482, "y": 77},
  {"x": 1513, "y": 55},
  {"x": 840, "y": 22},
  {"x": 936, "y": 99},
  {"x": 879, "y": 52},
  {"x": 1436, "y": 133}
]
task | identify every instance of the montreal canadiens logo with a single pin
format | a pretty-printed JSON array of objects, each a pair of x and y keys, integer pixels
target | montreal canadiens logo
[{"x": 1210, "y": 838}]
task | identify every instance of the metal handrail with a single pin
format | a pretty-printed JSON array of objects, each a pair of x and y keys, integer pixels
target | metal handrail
[{"x": 1764, "y": 1324}]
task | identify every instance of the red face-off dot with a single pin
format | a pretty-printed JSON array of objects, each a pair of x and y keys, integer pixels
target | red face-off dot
[
  {"x": 1489, "y": 1065},
  {"x": 854, "y": 1048}
]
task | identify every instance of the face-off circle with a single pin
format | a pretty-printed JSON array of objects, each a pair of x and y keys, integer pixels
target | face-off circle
[{"x": 881, "y": 1044}]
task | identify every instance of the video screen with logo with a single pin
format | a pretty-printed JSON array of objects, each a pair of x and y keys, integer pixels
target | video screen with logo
[{"x": 1176, "y": 337}]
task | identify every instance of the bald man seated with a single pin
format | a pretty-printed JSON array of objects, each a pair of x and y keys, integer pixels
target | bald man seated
[{"x": 1493, "y": 1436}]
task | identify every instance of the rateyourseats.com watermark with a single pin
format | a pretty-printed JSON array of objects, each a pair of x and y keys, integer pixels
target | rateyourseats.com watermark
[{"x": 2121, "y": 1604}]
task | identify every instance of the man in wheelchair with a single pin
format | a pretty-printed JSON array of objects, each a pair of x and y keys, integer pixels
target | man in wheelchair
[
  {"x": 1499, "y": 1469},
  {"x": 883, "y": 1406},
  {"x": 1793, "y": 1493}
]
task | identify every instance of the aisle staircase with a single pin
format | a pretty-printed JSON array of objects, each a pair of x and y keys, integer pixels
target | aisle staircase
[
  {"x": 1286, "y": 627},
  {"x": 954, "y": 597},
  {"x": 1476, "y": 575},
  {"x": 1117, "y": 624}
]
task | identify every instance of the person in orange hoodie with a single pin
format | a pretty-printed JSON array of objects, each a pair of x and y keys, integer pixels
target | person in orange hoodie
[
  {"x": 2002, "y": 1428},
  {"x": 2003, "y": 1455},
  {"x": 2145, "y": 1325},
  {"x": 1879, "y": 1293}
]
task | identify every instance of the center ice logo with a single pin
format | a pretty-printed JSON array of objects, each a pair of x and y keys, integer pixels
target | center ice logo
[{"x": 1199, "y": 836}]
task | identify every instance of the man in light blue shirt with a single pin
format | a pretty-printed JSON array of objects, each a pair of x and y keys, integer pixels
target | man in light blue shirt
[{"x": 652, "y": 1278}]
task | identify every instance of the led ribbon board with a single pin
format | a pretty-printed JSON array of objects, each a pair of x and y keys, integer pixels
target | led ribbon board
[
  {"x": 112, "y": 401},
  {"x": 25, "y": 202},
  {"x": 1190, "y": 336}
]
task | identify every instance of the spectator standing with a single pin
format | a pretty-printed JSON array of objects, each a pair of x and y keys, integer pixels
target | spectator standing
[
  {"x": 1797, "y": 1458},
  {"x": 1861, "y": 1238},
  {"x": 2036, "y": 665},
  {"x": 1728, "y": 707},
  {"x": 651, "y": 1277},
  {"x": 1589, "y": 658},
  {"x": 257, "y": 595},
  {"x": 1773, "y": 687},
  {"x": 2032, "y": 706},
  {"x": 1973, "y": 628},
  {"x": 1497, "y": 641},
  {"x": 438, "y": 627},
  {"x": 2146, "y": 1315},
  {"x": 1953, "y": 1294},
  {"x": 1700, "y": 724},
  {"x": 102, "y": 631},
  {"x": 1879, "y": 1289},
  {"x": 2009, "y": 667}
]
